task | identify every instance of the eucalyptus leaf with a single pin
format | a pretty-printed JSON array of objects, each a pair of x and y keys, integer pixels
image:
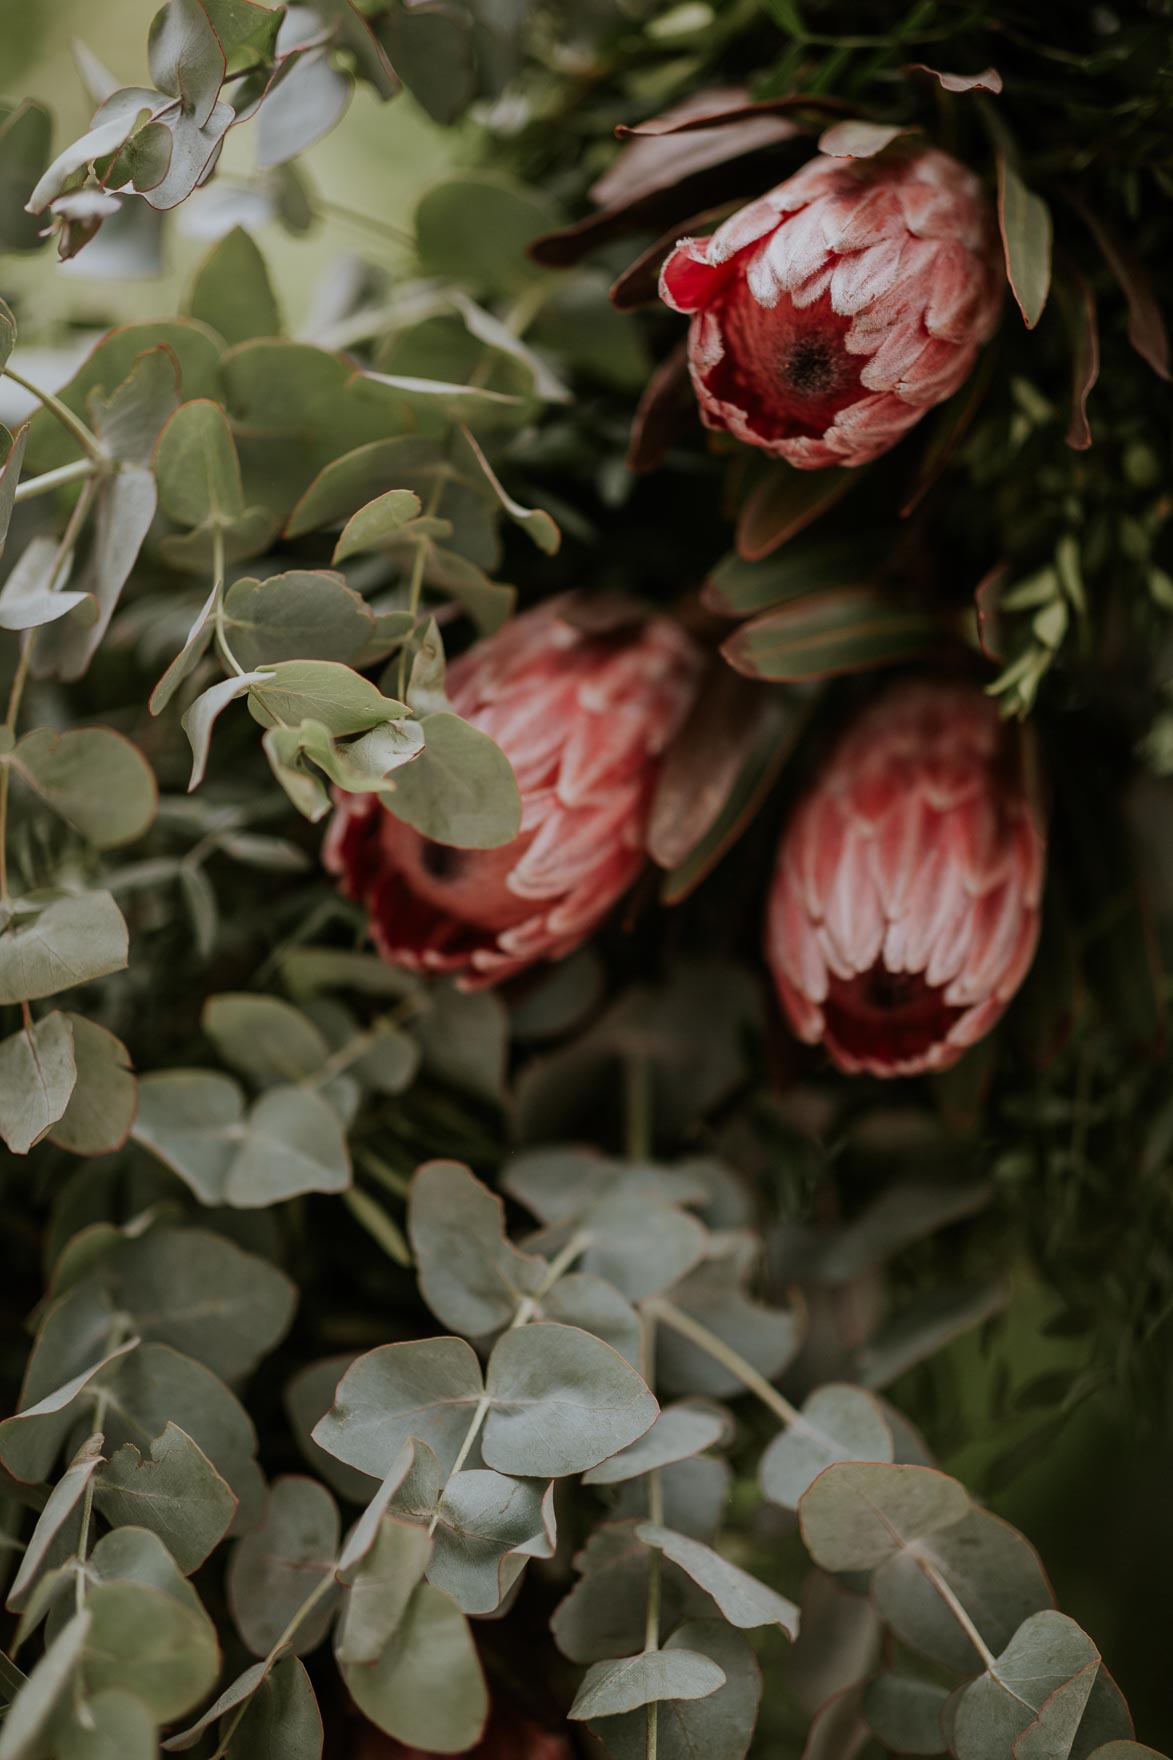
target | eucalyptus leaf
[
  {"x": 461, "y": 790},
  {"x": 371, "y": 526},
  {"x": 470, "y": 1276},
  {"x": 94, "y": 778},
  {"x": 293, "y": 1143},
  {"x": 231, "y": 291},
  {"x": 49, "y": 1541},
  {"x": 719, "y": 1726},
  {"x": 173, "y": 1490},
  {"x": 275, "y": 1568},
  {"x": 990, "y": 1572},
  {"x": 488, "y": 1525},
  {"x": 859, "y": 1515},
  {"x": 282, "y": 1719},
  {"x": 38, "y": 1073},
  {"x": 426, "y": 1388},
  {"x": 192, "y": 1121},
  {"x": 681, "y": 1430},
  {"x": 743, "y": 1601},
  {"x": 65, "y": 941},
  {"x": 196, "y": 467},
  {"x": 561, "y": 1402},
  {"x": 263, "y": 1037},
  {"x": 611, "y": 1688},
  {"x": 837, "y": 1423},
  {"x": 427, "y": 1686},
  {"x": 381, "y": 1588},
  {"x": 303, "y": 614}
]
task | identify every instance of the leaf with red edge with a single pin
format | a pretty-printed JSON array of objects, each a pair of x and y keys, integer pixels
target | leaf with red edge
[
  {"x": 688, "y": 138},
  {"x": 859, "y": 140},
  {"x": 738, "y": 589},
  {"x": 1025, "y": 223},
  {"x": 851, "y": 629},
  {"x": 639, "y": 285},
  {"x": 988, "y": 80},
  {"x": 664, "y": 411},
  {"x": 1078, "y": 305},
  {"x": 703, "y": 764},
  {"x": 783, "y": 502},
  {"x": 772, "y": 732},
  {"x": 986, "y": 597},
  {"x": 1146, "y": 326},
  {"x": 814, "y": 105}
]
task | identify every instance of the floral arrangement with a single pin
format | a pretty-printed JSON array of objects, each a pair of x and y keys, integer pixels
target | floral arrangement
[{"x": 585, "y": 907}]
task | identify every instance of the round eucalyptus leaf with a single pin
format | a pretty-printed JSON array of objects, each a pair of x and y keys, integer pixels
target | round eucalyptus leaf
[
  {"x": 857, "y": 1515},
  {"x": 905, "y": 1713},
  {"x": 988, "y": 1569},
  {"x": 426, "y": 1689},
  {"x": 381, "y": 1586},
  {"x": 470, "y": 1276},
  {"x": 611, "y": 1688},
  {"x": 719, "y": 1726},
  {"x": 681, "y": 1430},
  {"x": 461, "y": 790},
  {"x": 743, "y": 1601},
  {"x": 277, "y": 1566},
  {"x": 837, "y": 1423},
  {"x": 425, "y": 1388},
  {"x": 561, "y": 1401},
  {"x": 171, "y": 1488}
]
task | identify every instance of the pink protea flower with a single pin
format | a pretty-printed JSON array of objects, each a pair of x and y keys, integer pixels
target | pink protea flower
[
  {"x": 829, "y": 315},
  {"x": 904, "y": 910},
  {"x": 584, "y": 719}
]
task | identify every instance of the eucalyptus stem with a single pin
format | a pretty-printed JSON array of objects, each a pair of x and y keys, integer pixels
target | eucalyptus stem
[
  {"x": 524, "y": 1313},
  {"x": 88, "y": 442},
  {"x": 989, "y": 1660},
  {"x": 317, "y": 1593},
  {"x": 655, "y": 1560},
  {"x": 67, "y": 541},
  {"x": 722, "y": 1353},
  {"x": 637, "y": 1089},
  {"x": 77, "y": 472},
  {"x": 222, "y": 644}
]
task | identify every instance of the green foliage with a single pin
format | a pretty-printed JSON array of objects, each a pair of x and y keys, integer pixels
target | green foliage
[{"x": 648, "y": 1468}]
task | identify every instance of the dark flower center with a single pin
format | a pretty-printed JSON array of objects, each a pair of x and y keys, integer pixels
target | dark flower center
[
  {"x": 887, "y": 1018},
  {"x": 441, "y": 861},
  {"x": 809, "y": 367},
  {"x": 785, "y": 366}
]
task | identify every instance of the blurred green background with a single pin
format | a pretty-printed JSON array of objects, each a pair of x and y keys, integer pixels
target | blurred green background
[{"x": 1095, "y": 1500}]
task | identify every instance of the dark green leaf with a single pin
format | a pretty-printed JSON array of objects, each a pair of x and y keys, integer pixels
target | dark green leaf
[
  {"x": 232, "y": 293},
  {"x": 824, "y": 635},
  {"x": 1025, "y": 221}
]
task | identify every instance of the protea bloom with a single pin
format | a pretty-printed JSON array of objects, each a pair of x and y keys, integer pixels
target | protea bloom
[
  {"x": 832, "y": 312},
  {"x": 583, "y": 718},
  {"x": 904, "y": 910}
]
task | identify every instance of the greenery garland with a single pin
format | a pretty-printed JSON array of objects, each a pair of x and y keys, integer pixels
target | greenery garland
[{"x": 740, "y": 1355}]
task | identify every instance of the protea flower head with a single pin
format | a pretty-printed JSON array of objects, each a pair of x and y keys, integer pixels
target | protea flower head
[
  {"x": 830, "y": 314},
  {"x": 584, "y": 719},
  {"x": 904, "y": 909}
]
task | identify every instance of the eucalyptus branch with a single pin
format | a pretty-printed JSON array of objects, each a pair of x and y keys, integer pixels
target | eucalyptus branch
[
  {"x": 222, "y": 644},
  {"x": 526, "y": 1309},
  {"x": 77, "y": 472},
  {"x": 699, "y": 1334},
  {"x": 316, "y": 1595},
  {"x": 88, "y": 442},
  {"x": 68, "y": 539}
]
